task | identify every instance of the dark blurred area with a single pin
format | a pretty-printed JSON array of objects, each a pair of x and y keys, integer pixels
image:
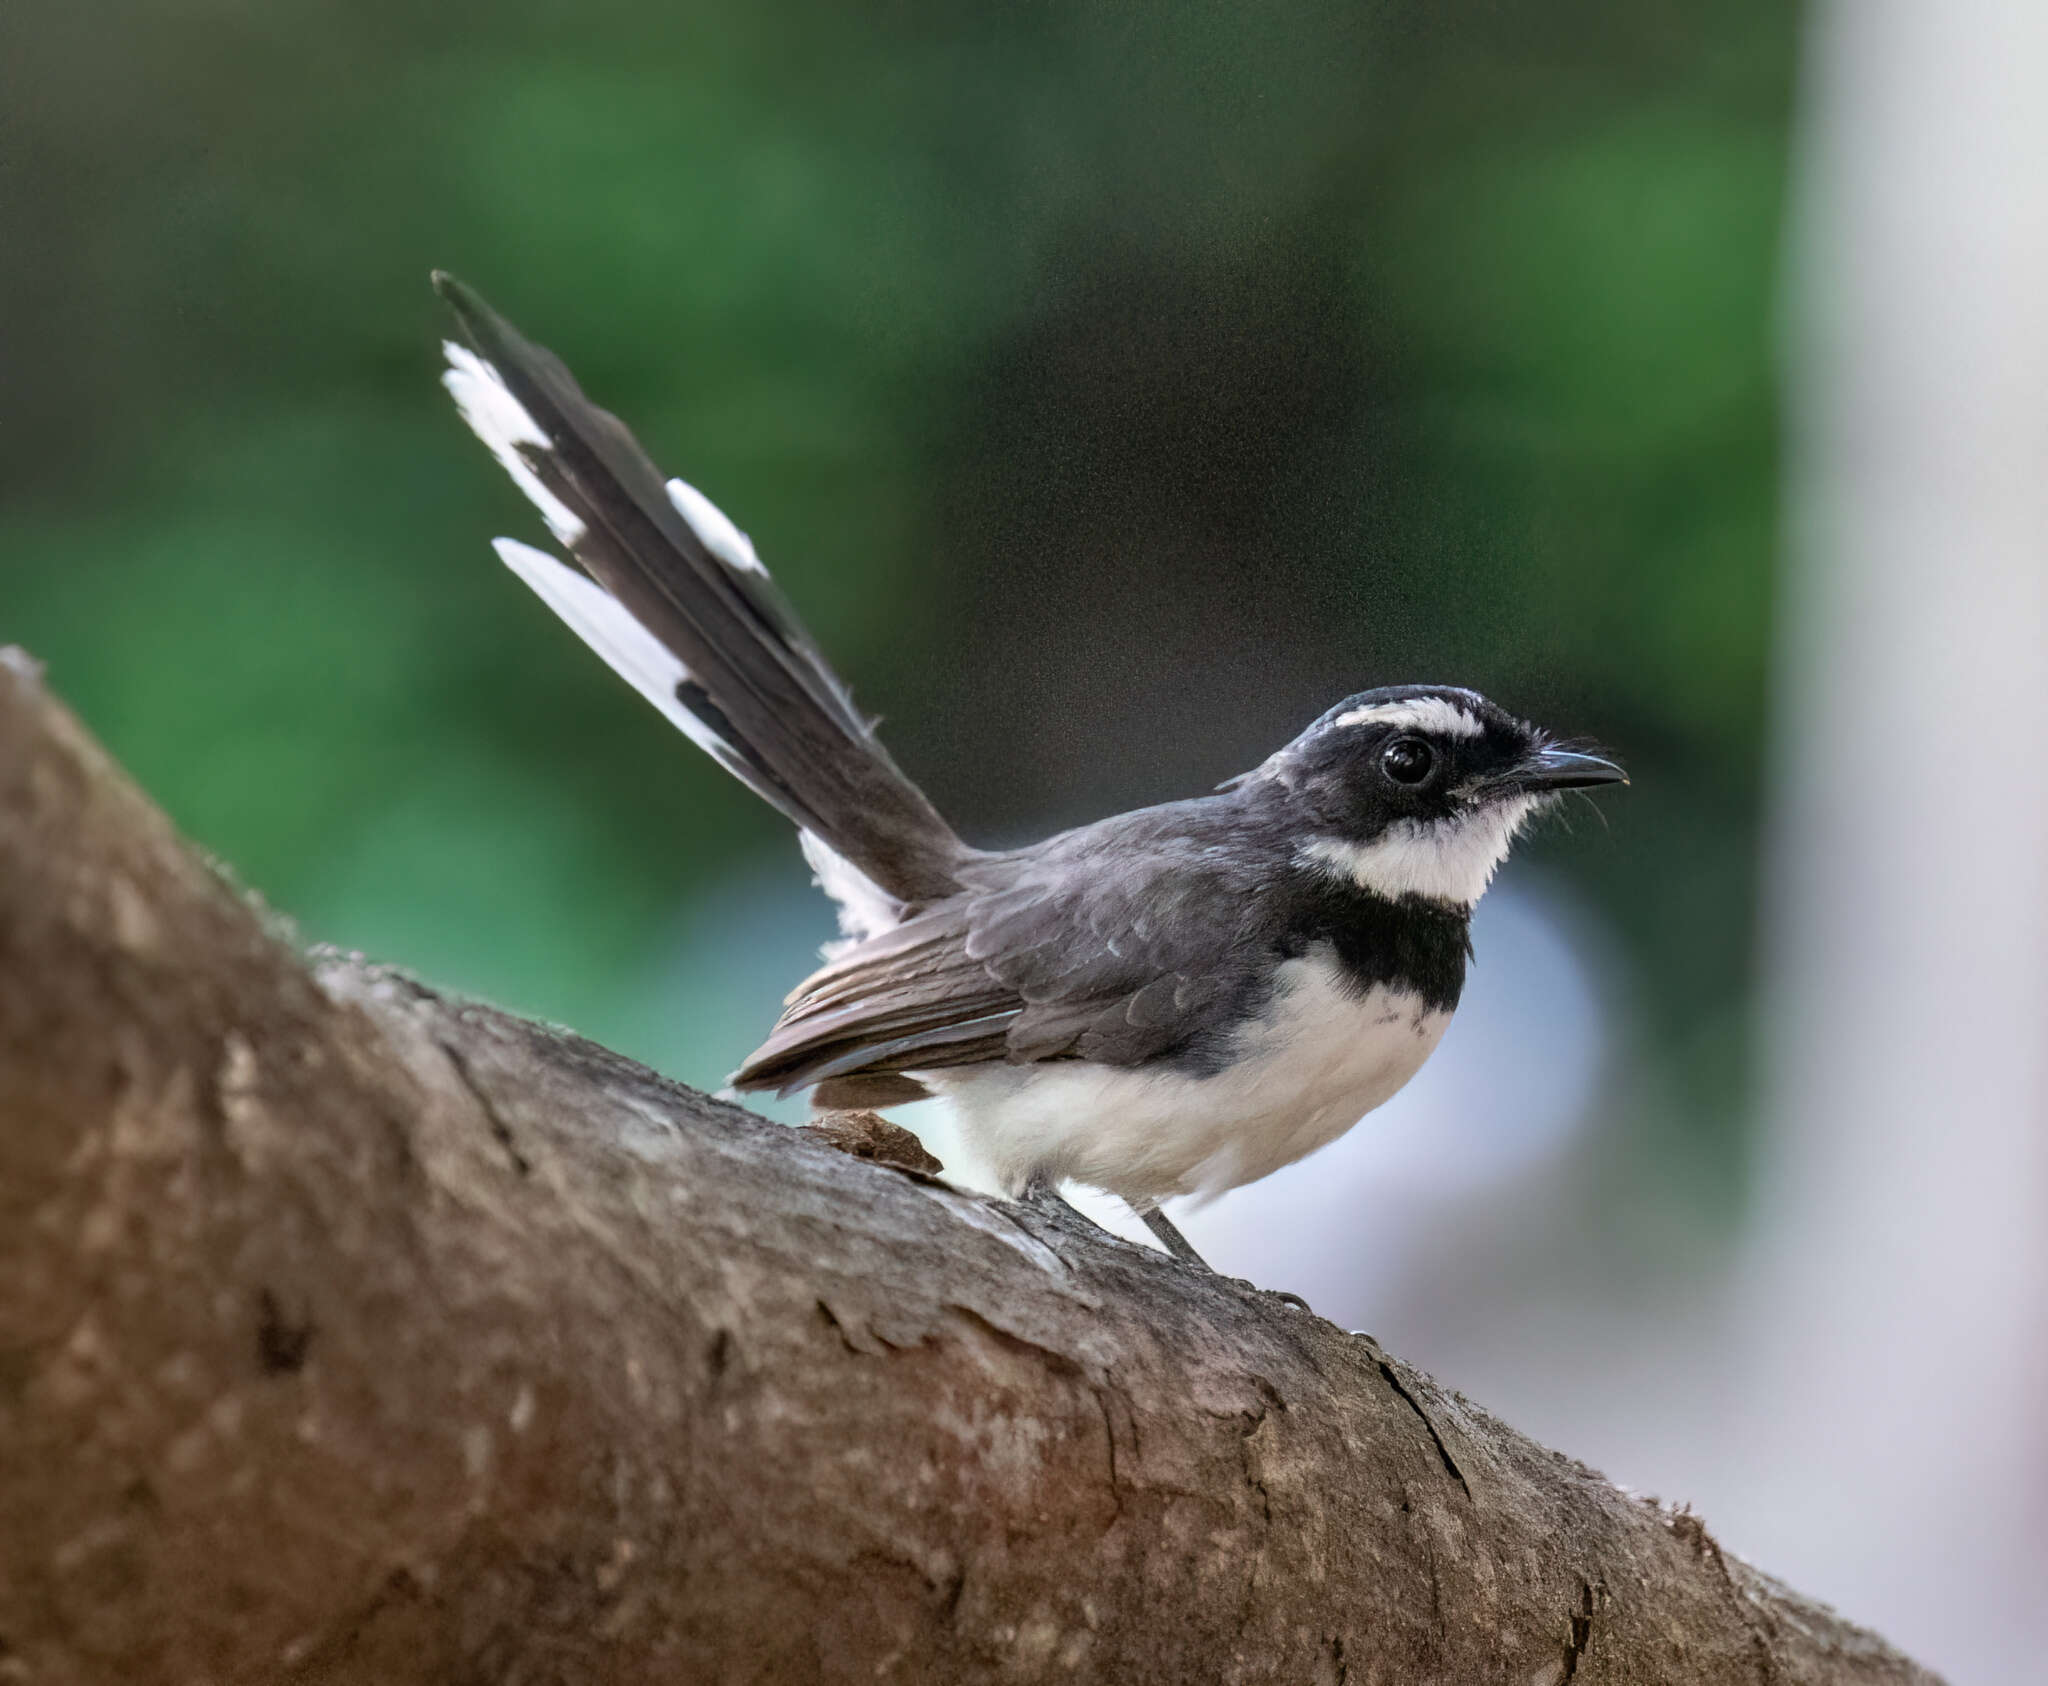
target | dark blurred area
[{"x": 1112, "y": 389}]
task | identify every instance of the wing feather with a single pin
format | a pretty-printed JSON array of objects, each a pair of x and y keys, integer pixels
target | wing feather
[
  {"x": 737, "y": 669},
  {"x": 1121, "y": 942}
]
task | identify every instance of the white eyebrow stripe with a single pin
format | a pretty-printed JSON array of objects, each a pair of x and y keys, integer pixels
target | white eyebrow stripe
[{"x": 1418, "y": 714}]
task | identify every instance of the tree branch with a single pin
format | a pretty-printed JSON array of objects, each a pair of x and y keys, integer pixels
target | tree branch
[{"x": 355, "y": 1333}]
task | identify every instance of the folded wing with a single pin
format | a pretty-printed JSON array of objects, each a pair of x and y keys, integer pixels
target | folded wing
[{"x": 1123, "y": 942}]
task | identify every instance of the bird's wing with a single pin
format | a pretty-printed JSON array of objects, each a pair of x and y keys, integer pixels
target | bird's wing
[{"x": 1123, "y": 942}]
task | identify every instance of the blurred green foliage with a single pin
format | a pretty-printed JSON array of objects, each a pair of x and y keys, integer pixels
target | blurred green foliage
[{"x": 1112, "y": 387}]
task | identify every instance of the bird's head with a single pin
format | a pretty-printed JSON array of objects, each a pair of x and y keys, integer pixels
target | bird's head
[{"x": 1418, "y": 790}]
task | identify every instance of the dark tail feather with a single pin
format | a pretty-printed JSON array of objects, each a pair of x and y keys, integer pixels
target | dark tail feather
[{"x": 704, "y": 634}]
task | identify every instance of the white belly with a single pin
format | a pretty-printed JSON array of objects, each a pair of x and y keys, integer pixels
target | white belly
[{"x": 1315, "y": 1063}]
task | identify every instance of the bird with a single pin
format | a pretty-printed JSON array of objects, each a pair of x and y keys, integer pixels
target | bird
[{"x": 1174, "y": 1001}]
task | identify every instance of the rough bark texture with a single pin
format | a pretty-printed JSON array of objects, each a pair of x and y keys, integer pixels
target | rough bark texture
[{"x": 349, "y": 1332}]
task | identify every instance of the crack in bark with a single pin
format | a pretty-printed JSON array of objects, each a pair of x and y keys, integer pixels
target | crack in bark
[
  {"x": 955, "y": 1590},
  {"x": 846, "y": 1332},
  {"x": 1581, "y": 1631},
  {"x": 1435, "y": 1439},
  {"x": 501, "y": 1132},
  {"x": 281, "y": 1341},
  {"x": 1116, "y": 1491}
]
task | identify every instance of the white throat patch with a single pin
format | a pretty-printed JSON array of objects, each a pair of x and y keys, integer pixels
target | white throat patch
[{"x": 1448, "y": 860}]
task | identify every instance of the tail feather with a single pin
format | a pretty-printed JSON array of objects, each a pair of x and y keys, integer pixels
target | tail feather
[{"x": 677, "y": 602}]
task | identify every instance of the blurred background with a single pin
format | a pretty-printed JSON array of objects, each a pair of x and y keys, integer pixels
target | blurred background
[{"x": 1113, "y": 389}]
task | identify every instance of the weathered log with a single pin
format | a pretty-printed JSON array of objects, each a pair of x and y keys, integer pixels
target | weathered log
[{"x": 351, "y": 1332}]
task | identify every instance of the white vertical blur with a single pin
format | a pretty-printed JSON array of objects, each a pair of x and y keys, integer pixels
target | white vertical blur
[{"x": 1895, "y": 1308}]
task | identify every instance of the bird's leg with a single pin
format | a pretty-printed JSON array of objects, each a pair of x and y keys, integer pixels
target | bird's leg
[
  {"x": 1038, "y": 1189},
  {"x": 1169, "y": 1237},
  {"x": 1177, "y": 1244},
  {"x": 1041, "y": 1191}
]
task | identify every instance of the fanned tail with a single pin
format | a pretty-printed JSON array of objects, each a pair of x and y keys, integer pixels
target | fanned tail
[{"x": 678, "y": 604}]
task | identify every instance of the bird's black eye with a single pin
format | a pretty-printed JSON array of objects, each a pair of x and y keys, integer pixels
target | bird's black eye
[{"x": 1408, "y": 760}]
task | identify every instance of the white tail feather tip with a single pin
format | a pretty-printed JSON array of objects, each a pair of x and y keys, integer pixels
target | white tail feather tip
[
  {"x": 714, "y": 528},
  {"x": 608, "y": 627},
  {"x": 498, "y": 418}
]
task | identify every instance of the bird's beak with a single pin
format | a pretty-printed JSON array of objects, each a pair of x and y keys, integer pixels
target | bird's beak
[{"x": 1563, "y": 769}]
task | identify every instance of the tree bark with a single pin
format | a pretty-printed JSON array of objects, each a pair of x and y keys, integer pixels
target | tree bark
[{"x": 352, "y": 1332}]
